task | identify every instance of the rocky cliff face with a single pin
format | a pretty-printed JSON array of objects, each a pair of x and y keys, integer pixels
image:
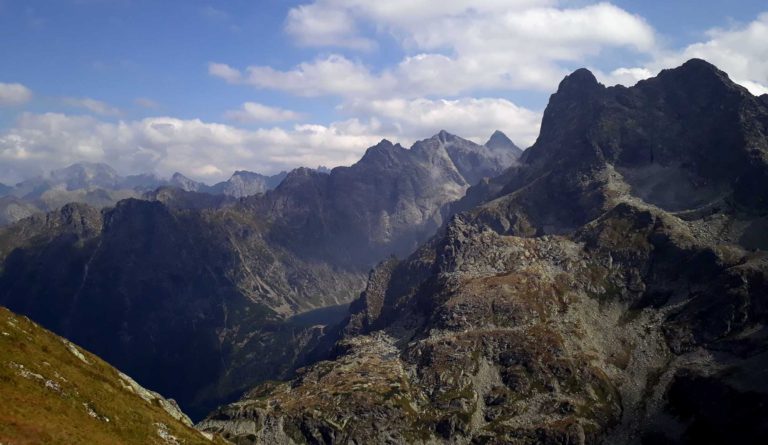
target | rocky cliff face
[
  {"x": 55, "y": 392},
  {"x": 610, "y": 289},
  {"x": 501, "y": 144},
  {"x": 387, "y": 203},
  {"x": 195, "y": 295}
]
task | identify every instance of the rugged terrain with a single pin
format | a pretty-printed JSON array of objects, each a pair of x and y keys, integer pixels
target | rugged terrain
[
  {"x": 56, "y": 393},
  {"x": 612, "y": 288},
  {"x": 200, "y": 296}
]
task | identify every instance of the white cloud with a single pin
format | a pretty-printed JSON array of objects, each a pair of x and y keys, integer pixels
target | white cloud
[
  {"x": 333, "y": 75},
  {"x": 225, "y": 72},
  {"x": 415, "y": 12},
  {"x": 92, "y": 105},
  {"x": 469, "y": 118},
  {"x": 624, "y": 76},
  {"x": 314, "y": 25},
  {"x": 453, "y": 49},
  {"x": 207, "y": 151},
  {"x": 211, "y": 151},
  {"x": 14, "y": 94},
  {"x": 251, "y": 112}
]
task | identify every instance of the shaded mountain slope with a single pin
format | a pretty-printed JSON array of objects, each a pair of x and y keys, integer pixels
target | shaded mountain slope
[
  {"x": 170, "y": 296},
  {"x": 387, "y": 203},
  {"x": 610, "y": 289}
]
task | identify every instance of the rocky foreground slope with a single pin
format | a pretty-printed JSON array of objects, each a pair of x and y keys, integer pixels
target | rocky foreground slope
[
  {"x": 613, "y": 289},
  {"x": 53, "y": 392},
  {"x": 198, "y": 296}
]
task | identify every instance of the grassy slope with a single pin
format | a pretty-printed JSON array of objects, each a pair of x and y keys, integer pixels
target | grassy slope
[{"x": 48, "y": 395}]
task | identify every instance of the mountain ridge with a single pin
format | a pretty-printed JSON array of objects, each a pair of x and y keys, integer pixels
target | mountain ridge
[{"x": 573, "y": 301}]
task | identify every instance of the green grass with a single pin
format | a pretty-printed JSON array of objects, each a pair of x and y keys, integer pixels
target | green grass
[{"x": 50, "y": 396}]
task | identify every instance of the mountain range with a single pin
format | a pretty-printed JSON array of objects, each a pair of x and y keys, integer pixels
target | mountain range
[
  {"x": 99, "y": 185},
  {"x": 611, "y": 288},
  {"x": 608, "y": 285},
  {"x": 187, "y": 293}
]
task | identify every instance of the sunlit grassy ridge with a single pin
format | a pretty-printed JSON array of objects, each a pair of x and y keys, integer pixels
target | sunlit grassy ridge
[{"x": 55, "y": 393}]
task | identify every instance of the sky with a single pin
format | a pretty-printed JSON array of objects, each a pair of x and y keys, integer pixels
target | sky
[{"x": 207, "y": 87}]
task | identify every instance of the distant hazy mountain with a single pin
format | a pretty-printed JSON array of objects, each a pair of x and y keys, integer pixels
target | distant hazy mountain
[
  {"x": 13, "y": 209},
  {"x": 99, "y": 185},
  {"x": 499, "y": 143},
  {"x": 239, "y": 185},
  {"x": 183, "y": 183}
]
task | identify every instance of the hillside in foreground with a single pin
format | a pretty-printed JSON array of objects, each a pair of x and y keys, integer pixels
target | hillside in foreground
[{"x": 53, "y": 392}]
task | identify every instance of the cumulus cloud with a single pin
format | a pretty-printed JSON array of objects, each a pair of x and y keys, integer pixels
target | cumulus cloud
[
  {"x": 14, "y": 94},
  {"x": 212, "y": 151},
  {"x": 315, "y": 25},
  {"x": 623, "y": 76},
  {"x": 453, "y": 49},
  {"x": 470, "y": 118},
  {"x": 332, "y": 75},
  {"x": 251, "y": 112},
  {"x": 92, "y": 105},
  {"x": 207, "y": 151},
  {"x": 225, "y": 72}
]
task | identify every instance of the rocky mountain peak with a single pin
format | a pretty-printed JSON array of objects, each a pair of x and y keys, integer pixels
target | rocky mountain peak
[
  {"x": 184, "y": 183},
  {"x": 699, "y": 81},
  {"x": 698, "y": 67},
  {"x": 86, "y": 174},
  {"x": 443, "y": 136},
  {"x": 382, "y": 153},
  {"x": 580, "y": 82},
  {"x": 499, "y": 142},
  {"x": 298, "y": 177}
]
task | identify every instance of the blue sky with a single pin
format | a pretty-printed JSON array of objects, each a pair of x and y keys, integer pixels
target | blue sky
[{"x": 207, "y": 86}]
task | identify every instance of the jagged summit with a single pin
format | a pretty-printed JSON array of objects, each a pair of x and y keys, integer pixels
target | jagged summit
[
  {"x": 699, "y": 67},
  {"x": 445, "y": 136},
  {"x": 185, "y": 183},
  {"x": 579, "y": 82},
  {"x": 501, "y": 142},
  {"x": 385, "y": 151},
  {"x": 696, "y": 75}
]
